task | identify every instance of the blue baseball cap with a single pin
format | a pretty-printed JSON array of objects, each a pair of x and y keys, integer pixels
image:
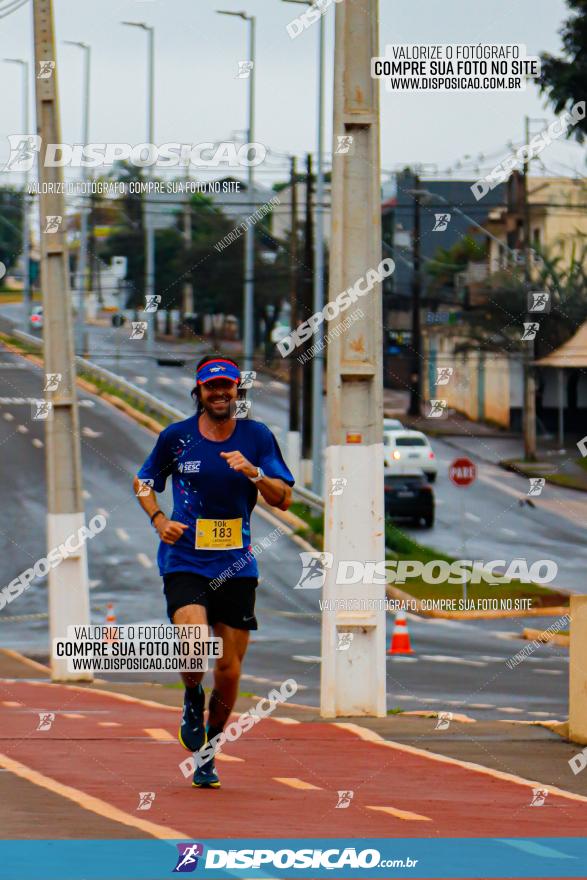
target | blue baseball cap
[{"x": 217, "y": 369}]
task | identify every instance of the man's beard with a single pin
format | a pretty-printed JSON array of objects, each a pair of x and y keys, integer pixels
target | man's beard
[{"x": 217, "y": 414}]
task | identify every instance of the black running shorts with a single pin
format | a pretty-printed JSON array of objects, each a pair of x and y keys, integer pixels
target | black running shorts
[{"x": 232, "y": 602}]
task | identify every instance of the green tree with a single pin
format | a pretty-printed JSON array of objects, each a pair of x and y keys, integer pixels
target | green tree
[
  {"x": 564, "y": 79},
  {"x": 10, "y": 226},
  {"x": 497, "y": 325}
]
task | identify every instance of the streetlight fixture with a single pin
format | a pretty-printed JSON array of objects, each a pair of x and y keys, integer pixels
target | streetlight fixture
[
  {"x": 148, "y": 217},
  {"x": 26, "y": 275},
  {"x": 249, "y": 284},
  {"x": 82, "y": 344},
  {"x": 318, "y": 360}
]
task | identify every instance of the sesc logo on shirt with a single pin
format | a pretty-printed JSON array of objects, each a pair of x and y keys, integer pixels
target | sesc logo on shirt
[{"x": 189, "y": 467}]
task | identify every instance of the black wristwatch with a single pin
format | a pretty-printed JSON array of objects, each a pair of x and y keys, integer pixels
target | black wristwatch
[{"x": 157, "y": 512}]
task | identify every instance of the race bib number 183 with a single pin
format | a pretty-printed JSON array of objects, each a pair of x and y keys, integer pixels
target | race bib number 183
[{"x": 219, "y": 534}]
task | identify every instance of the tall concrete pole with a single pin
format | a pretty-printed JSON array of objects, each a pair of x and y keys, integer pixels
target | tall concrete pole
[
  {"x": 318, "y": 361},
  {"x": 529, "y": 410},
  {"x": 353, "y": 680},
  {"x": 69, "y": 602},
  {"x": 249, "y": 283},
  {"x": 81, "y": 335},
  {"x": 148, "y": 218},
  {"x": 249, "y": 310},
  {"x": 26, "y": 236},
  {"x": 294, "y": 367}
]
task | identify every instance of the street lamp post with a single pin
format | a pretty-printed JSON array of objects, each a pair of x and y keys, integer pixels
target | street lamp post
[
  {"x": 147, "y": 213},
  {"x": 26, "y": 272},
  {"x": 249, "y": 284},
  {"x": 82, "y": 340},
  {"x": 318, "y": 360}
]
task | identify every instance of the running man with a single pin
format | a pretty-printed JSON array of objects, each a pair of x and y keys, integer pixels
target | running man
[{"x": 217, "y": 465}]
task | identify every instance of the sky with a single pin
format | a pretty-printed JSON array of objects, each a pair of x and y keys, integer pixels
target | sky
[{"x": 199, "y": 97}]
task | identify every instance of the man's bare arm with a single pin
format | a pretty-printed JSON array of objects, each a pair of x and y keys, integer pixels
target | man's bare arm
[{"x": 168, "y": 529}]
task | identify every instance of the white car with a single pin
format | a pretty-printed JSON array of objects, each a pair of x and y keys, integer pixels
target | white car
[
  {"x": 392, "y": 425},
  {"x": 406, "y": 450}
]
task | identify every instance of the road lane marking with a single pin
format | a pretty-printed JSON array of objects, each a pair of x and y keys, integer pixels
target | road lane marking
[
  {"x": 294, "y": 782},
  {"x": 370, "y": 736},
  {"x": 509, "y": 532},
  {"x": 548, "y": 671},
  {"x": 473, "y": 517},
  {"x": 401, "y": 814},
  {"x": 306, "y": 658},
  {"x": 109, "y": 724},
  {"x": 9, "y": 417},
  {"x": 445, "y": 658},
  {"x": 159, "y": 734},
  {"x": 123, "y": 534},
  {"x": 22, "y": 429},
  {"x": 286, "y": 720},
  {"x": 510, "y": 710},
  {"x": 89, "y": 802},
  {"x": 90, "y": 433},
  {"x": 38, "y": 443},
  {"x": 86, "y": 494},
  {"x": 10, "y": 704},
  {"x": 144, "y": 560},
  {"x": 141, "y": 380},
  {"x": 72, "y": 715},
  {"x": 220, "y": 756}
]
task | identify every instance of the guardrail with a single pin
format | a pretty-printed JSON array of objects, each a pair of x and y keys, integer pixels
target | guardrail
[{"x": 151, "y": 405}]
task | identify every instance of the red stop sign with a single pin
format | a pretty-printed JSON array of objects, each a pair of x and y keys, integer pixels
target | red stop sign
[{"x": 462, "y": 472}]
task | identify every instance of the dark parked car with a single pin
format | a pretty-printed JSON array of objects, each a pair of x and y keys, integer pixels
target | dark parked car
[{"x": 409, "y": 496}]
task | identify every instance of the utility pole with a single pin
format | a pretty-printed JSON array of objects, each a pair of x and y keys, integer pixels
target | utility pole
[
  {"x": 294, "y": 367},
  {"x": 82, "y": 341},
  {"x": 249, "y": 287},
  {"x": 307, "y": 299},
  {"x": 318, "y": 360},
  {"x": 69, "y": 602},
  {"x": 188, "y": 288},
  {"x": 529, "y": 411},
  {"x": 416, "y": 371},
  {"x": 148, "y": 212},
  {"x": 26, "y": 236},
  {"x": 353, "y": 680}
]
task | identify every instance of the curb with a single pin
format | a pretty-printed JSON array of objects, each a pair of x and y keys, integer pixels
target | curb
[{"x": 545, "y": 637}]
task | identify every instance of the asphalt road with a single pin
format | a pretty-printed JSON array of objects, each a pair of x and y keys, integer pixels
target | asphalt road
[
  {"x": 457, "y": 667},
  {"x": 492, "y": 523}
]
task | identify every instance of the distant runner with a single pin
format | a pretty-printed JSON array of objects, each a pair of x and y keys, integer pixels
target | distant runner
[{"x": 217, "y": 464}]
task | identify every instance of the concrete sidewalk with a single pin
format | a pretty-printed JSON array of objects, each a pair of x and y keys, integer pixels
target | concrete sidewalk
[{"x": 82, "y": 778}]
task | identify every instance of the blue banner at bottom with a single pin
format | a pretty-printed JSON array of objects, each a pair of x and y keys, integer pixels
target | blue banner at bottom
[{"x": 265, "y": 859}]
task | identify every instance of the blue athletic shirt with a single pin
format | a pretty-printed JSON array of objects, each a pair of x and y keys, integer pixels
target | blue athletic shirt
[{"x": 204, "y": 486}]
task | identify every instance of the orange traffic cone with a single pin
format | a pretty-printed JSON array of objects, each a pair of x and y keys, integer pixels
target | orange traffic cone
[
  {"x": 112, "y": 634},
  {"x": 400, "y": 638}
]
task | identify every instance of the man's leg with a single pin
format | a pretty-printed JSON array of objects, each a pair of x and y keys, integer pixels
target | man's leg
[
  {"x": 227, "y": 673},
  {"x": 192, "y": 732},
  {"x": 191, "y": 615}
]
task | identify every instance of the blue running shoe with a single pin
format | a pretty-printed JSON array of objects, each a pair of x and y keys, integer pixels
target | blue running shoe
[
  {"x": 192, "y": 731},
  {"x": 206, "y": 775}
]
